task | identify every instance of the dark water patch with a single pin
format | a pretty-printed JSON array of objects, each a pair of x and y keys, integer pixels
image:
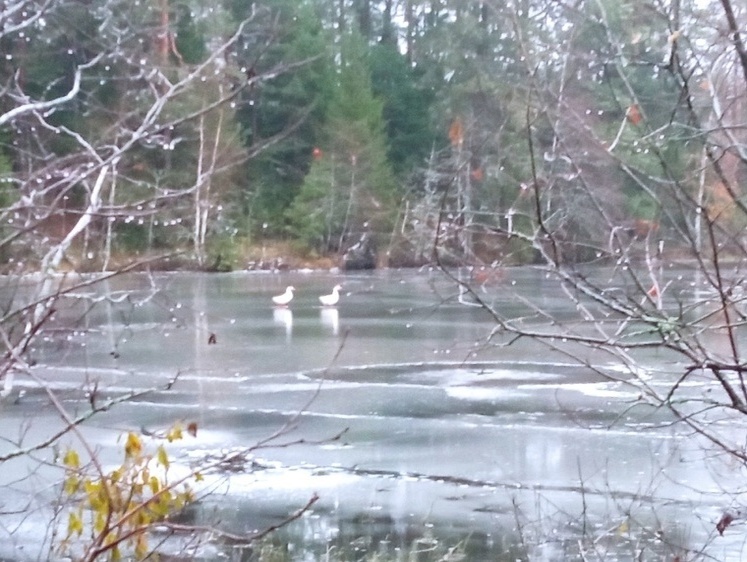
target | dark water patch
[{"x": 495, "y": 530}]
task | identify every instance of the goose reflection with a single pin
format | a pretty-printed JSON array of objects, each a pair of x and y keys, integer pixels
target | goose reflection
[
  {"x": 283, "y": 317},
  {"x": 331, "y": 319}
]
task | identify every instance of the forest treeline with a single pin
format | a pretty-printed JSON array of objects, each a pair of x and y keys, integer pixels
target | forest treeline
[{"x": 478, "y": 132}]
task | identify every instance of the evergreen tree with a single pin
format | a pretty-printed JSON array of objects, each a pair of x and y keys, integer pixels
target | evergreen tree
[
  {"x": 407, "y": 108},
  {"x": 358, "y": 174},
  {"x": 283, "y": 115},
  {"x": 618, "y": 118},
  {"x": 319, "y": 208},
  {"x": 190, "y": 38}
]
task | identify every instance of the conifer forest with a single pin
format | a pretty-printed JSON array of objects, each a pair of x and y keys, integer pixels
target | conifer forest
[{"x": 467, "y": 132}]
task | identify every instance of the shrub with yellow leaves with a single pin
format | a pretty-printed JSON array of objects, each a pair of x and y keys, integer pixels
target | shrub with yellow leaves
[{"x": 114, "y": 511}]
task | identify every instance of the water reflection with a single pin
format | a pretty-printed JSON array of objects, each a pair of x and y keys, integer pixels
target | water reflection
[
  {"x": 331, "y": 319},
  {"x": 284, "y": 317},
  {"x": 466, "y": 447}
]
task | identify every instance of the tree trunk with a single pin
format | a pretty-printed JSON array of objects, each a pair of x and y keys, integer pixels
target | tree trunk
[
  {"x": 410, "y": 31},
  {"x": 364, "y": 18},
  {"x": 162, "y": 37},
  {"x": 388, "y": 35}
]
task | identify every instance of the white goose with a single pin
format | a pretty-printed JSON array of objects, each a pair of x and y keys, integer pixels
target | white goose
[
  {"x": 333, "y": 298},
  {"x": 285, "y": 298}
]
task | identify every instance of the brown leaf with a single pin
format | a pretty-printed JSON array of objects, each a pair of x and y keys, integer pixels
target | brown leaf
[
  {"x": 212, "y": 339},
  {"x": 456, "y": 132},
  {"x": 192, "y": 429},
  {"x": 724, "y": 522},
  {"x": 634, "y": 114}
]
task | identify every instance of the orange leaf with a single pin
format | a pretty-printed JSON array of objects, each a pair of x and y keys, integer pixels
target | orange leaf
[
  {"x": 456, "y": 132},
  {"x": 477, "y": 174},
  {"x": 634, "y": 114},
  {"x": 192, "y": 429}
]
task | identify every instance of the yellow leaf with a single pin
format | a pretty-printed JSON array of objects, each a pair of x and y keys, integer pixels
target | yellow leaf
[
  {"x": 160, "y": 510},
  {"x": 71, "y": 459},
  {"x": 100, "y": 523},
  {"x": 623, "y": 528},
  {"x": 163, "y": 457},
  {"x": 155, "y": 485},
  {"x": 174, "y": 433},
  {"x": 162, "y": 505},
  {"x": 72, "y": 483},
  {"x": 142, "y": 518},
  {"x": 115, "y": 476},
  {"x": 141, "y": 547},
  {"x": 113, "y": 495},
  {"x": 74, "y": 524},
  {"x": 133, "y": 446},
  {"x": 199, "y": 477},
  {"x": 110, "y": 539},
  {"x": 94, "y": 493}
]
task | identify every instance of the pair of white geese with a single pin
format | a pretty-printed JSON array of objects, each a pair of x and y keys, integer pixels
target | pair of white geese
[{"x": 327, "y": 300}]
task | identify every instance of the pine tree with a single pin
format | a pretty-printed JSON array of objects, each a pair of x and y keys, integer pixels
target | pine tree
[
  {"x": 359, "y": 175},
  {"x": 286, "y": 112},
  {"x": 406, "y": 108}
]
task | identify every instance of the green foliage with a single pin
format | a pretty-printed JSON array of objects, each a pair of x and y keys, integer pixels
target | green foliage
[
  {"x": 329, "y": 81},
  {"x": 223, "y": 249},
  {"x": 353, "y": 189},
  {"x": 292, "y": 104},
  {"x": 317, "y": 213},
  {"x": 6, "y": 170},
  {"x": 190, "y": 39},
  {"x": 639, "y": 105},
  {"x": 131, "y": 237},
  {"x": 406, "y": 108},
  {"x": 8, "y": 195}
]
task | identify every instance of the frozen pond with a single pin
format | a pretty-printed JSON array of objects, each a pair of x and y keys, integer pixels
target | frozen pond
[{"x": 402, "y": 412}]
